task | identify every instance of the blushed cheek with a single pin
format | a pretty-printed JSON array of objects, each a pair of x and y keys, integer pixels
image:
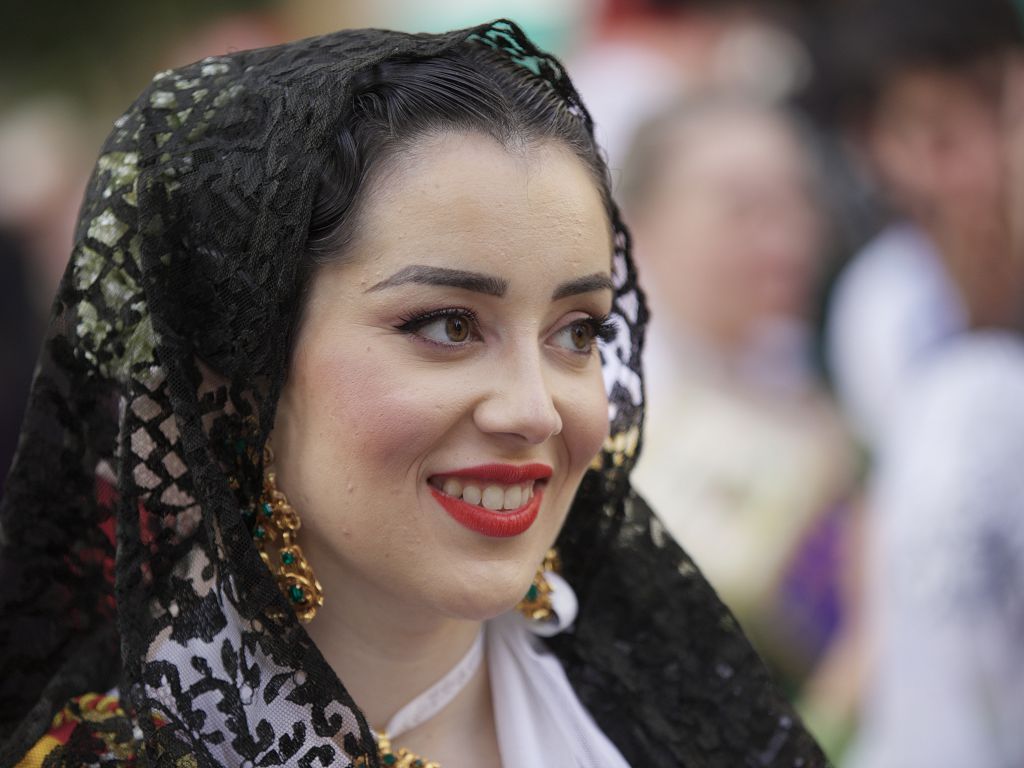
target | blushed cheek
[
  {"x": 373, "y": 419},
  {"x": 383, "y": 417}
]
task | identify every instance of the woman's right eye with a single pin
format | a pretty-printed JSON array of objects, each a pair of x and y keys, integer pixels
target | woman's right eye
[{"x": 449, "y": 328}]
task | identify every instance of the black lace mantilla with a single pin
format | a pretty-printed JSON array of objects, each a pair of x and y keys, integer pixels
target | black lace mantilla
[{"x": 125, "y": 558}]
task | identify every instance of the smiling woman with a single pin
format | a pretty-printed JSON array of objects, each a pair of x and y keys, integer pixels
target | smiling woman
[
  {"x": 395, "y": 259},
  {"x": 412, "y": 489}
]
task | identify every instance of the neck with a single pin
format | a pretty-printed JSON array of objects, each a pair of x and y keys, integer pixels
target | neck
[{"x": 387, "y": 652}]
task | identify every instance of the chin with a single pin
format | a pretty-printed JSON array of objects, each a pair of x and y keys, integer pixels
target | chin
[{"x": 485, "y": 598}]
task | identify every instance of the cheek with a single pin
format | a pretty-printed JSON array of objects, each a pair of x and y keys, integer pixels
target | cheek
[
  {"x": 585, "y": 423},
  {"x": 370, "y": 418},
  {"x": 359, "y": 419}
]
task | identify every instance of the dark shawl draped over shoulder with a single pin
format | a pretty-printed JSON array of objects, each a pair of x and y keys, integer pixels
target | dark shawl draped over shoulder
[{"x": 125, "y": 556}]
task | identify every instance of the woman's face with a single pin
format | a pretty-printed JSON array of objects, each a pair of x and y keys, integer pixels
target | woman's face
[{"x": 445, "y": 395}]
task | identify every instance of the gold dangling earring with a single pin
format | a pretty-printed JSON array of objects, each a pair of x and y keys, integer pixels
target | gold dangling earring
[
  {"x": 536, "y": 604},
  {"x": 277, "y": 523}
]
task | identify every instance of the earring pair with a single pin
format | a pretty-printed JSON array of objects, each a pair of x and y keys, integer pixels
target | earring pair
[{"x": 275, "y": 524}]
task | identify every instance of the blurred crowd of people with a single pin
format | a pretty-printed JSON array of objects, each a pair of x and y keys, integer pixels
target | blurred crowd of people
[{"x": 827, "y": 205}]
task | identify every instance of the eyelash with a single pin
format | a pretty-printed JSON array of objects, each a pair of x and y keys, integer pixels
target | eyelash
[{"x": 602, "y": 329}]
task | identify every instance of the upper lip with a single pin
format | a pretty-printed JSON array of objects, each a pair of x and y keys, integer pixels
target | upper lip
[{"x": 506, "y": 474}]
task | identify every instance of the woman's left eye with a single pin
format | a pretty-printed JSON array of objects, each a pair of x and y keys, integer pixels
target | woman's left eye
[{"x": 580, "y": 335}]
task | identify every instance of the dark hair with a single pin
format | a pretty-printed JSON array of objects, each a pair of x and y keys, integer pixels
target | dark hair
[
  {"x": 471, "y": 88},
  {"x": 873, "y": 41}
]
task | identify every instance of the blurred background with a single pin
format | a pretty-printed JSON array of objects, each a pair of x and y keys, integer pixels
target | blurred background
[{"x": 825, "y": 198}]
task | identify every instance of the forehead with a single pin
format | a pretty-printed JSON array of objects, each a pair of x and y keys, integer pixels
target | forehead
[
  {"x": 467, "y": 198},
  {"x": 925, "y": 92},
  {"x": 735, "y": 142}
]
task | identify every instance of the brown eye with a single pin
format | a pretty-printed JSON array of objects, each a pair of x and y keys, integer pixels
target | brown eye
[
  {"x": 456, "y": 328},
  {"x": 577, "y": 337},
  {"x": 449, "y": 327},
  {"x": 581, "y": 337}
]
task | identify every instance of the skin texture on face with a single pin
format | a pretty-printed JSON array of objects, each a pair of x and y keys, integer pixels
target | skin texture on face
[{"x": 384, "y": 393}]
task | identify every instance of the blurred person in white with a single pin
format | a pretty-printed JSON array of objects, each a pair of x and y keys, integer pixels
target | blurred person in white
[
  {"x": 746, "y": 455},
  {"x": 944, "y": 596},
  {"x": 919, "y": 92}
]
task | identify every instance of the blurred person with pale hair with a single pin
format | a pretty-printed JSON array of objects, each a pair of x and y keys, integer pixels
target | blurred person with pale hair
[{"x": 745, "y": 452}]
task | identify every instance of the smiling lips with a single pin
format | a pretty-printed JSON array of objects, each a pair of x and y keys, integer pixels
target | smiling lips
[{"x": 498, "y": 500}]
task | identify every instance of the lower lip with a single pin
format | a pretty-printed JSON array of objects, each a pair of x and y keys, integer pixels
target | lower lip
[{"x": 499, "y": 525}]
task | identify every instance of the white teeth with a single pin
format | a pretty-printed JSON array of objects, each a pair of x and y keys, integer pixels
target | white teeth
[
  {"x": 471, "y": 494},
  {"x": 513, "y": 497},
  {"x": 493, "y": 497}
]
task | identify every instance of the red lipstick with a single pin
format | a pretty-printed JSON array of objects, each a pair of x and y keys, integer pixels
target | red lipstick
[
  {"x": 497, "y": 524},
  {"x": 500, "y": 525}
]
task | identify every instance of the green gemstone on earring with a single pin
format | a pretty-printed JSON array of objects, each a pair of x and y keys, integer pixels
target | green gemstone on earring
[
  {"x": 418, "y": 764},
  {"x": 288, "y": 558},
  {"x": 240, "y": 446},
  {"x": 532, "y": 593},
  {"x": 268, "y": 511},
  {"x": 259, "y": 532},
  {"x": 296, "y": 594},
  {"x": 389, "y": 759}
]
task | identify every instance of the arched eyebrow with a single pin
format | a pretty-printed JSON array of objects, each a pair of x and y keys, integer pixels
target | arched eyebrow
[
  {"x": 481, "y": 283},
  {"x": 599, "y": 281},
  {"x": 453, "y": 278}
]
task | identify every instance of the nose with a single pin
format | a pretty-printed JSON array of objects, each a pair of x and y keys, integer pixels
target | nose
[{"x": 519, "y": 402}]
